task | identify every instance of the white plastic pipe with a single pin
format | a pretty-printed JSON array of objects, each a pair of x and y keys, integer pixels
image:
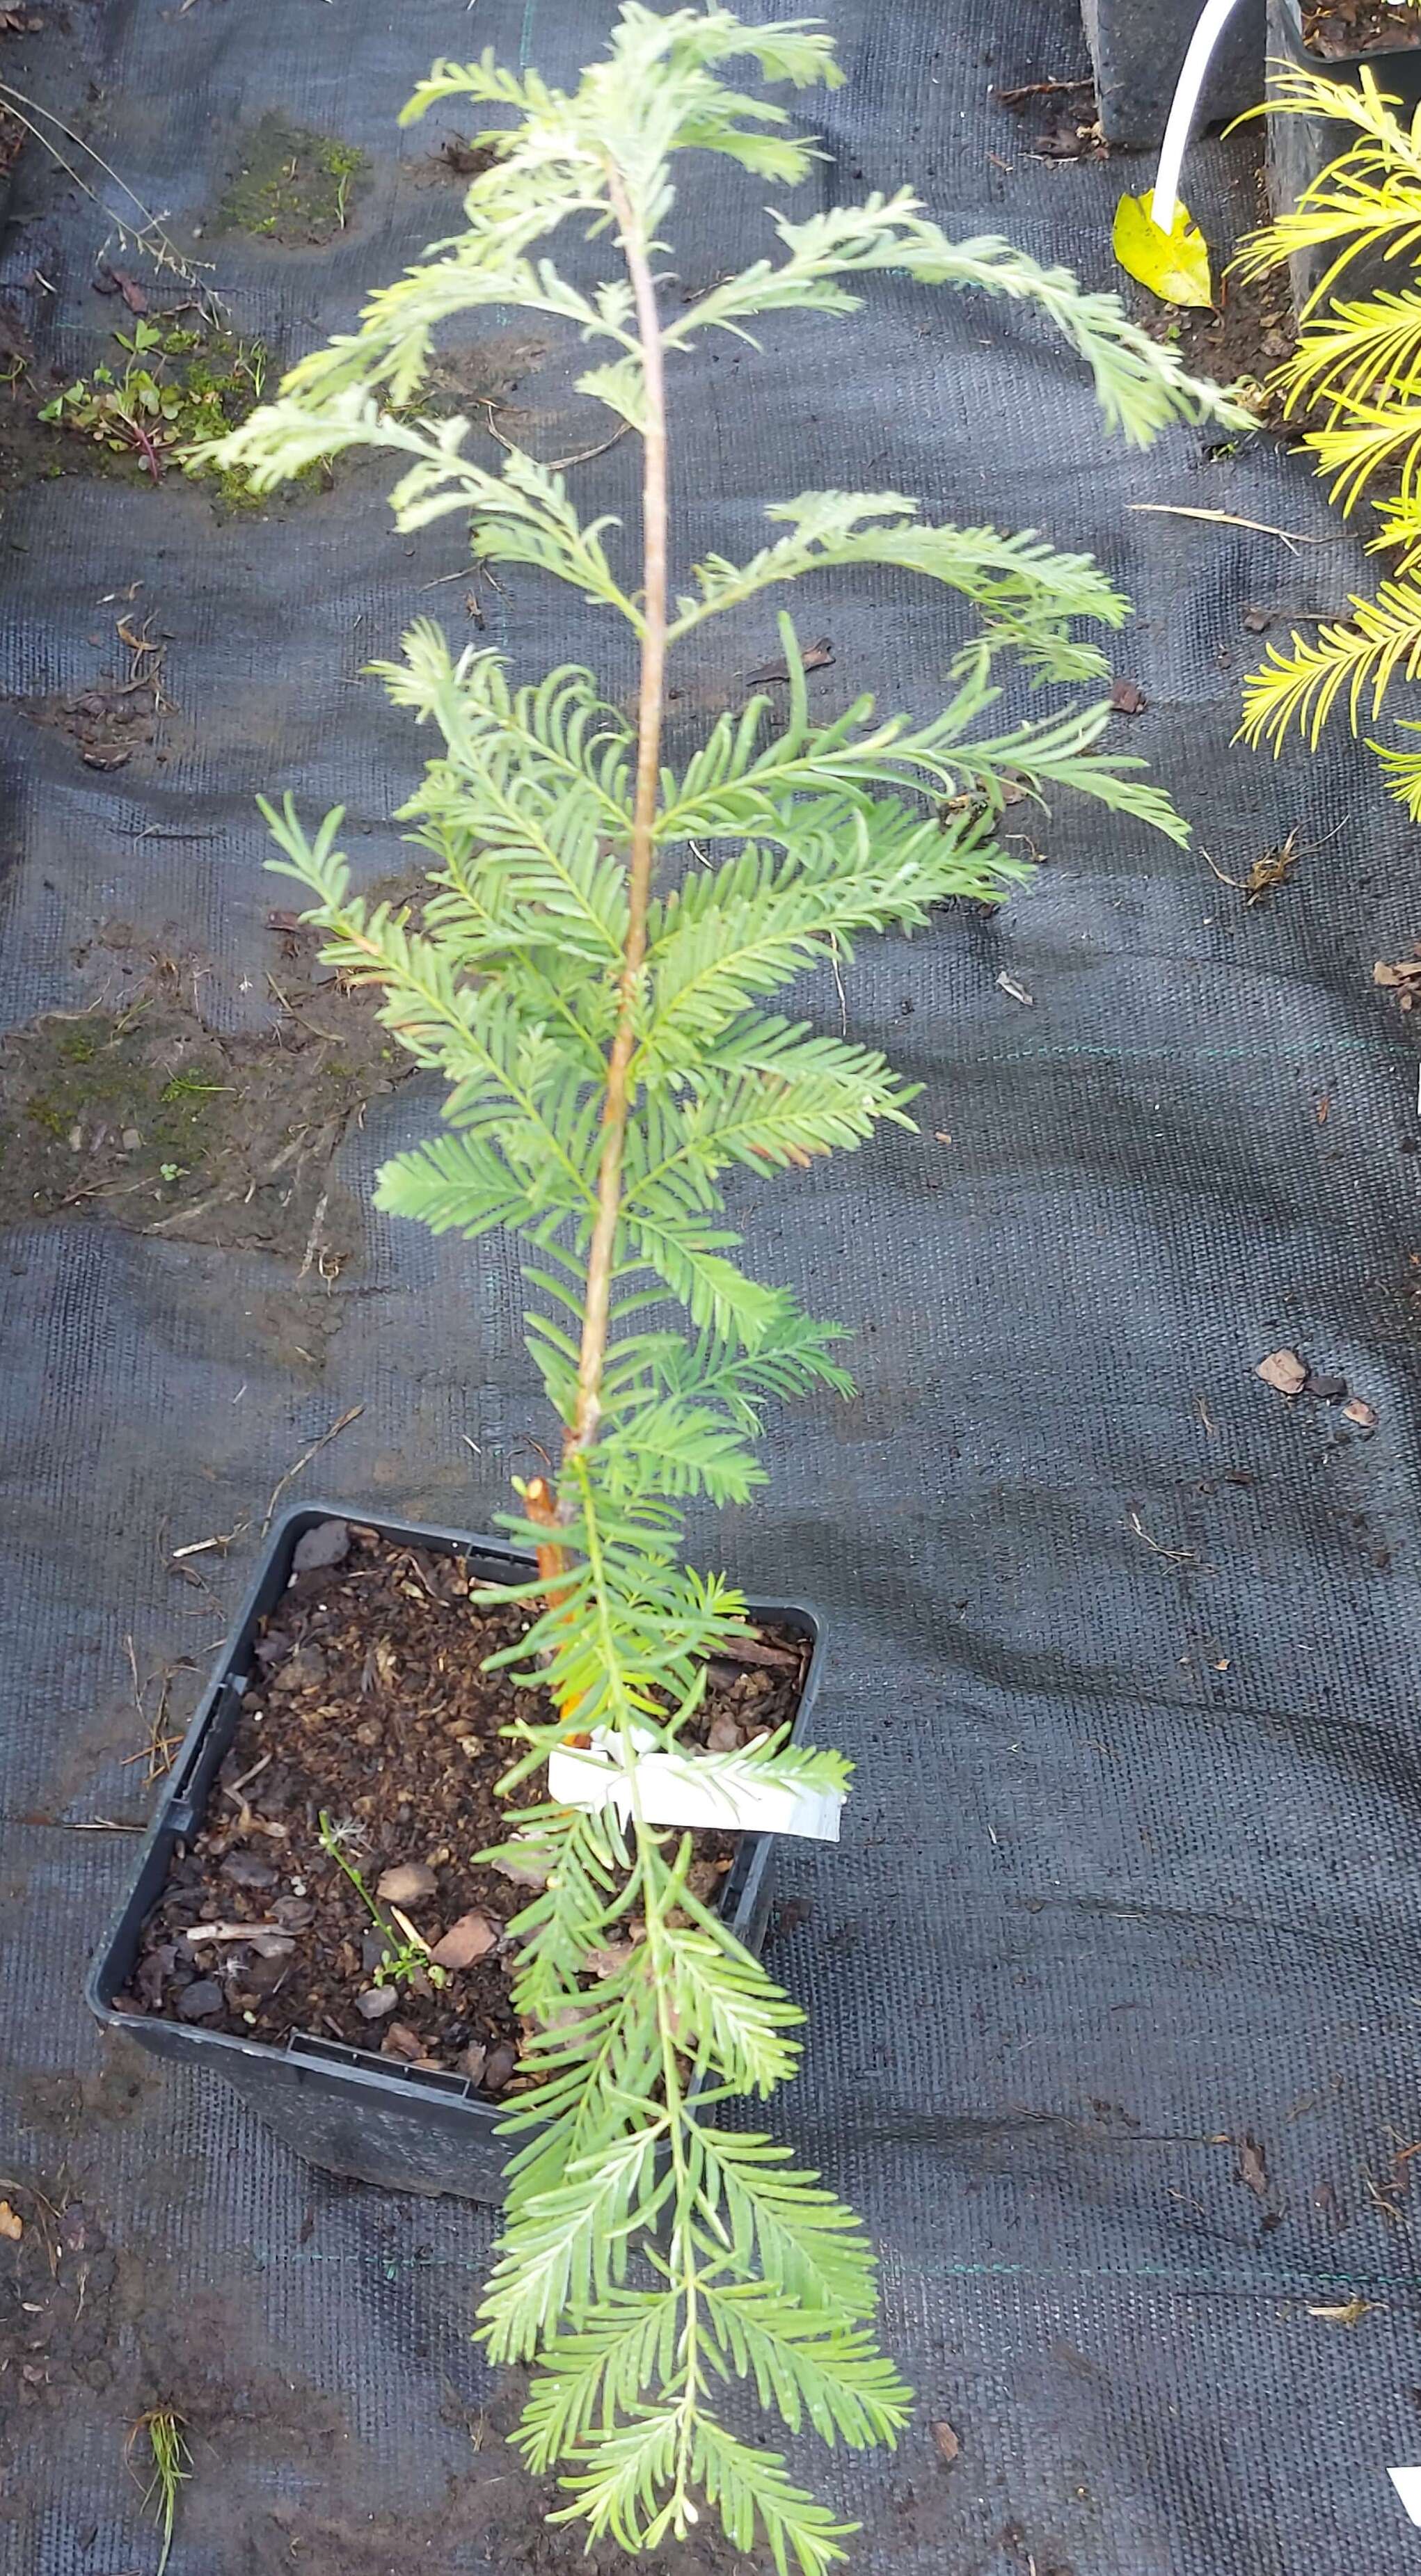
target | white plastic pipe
[{"x": 1212, "y": 21}]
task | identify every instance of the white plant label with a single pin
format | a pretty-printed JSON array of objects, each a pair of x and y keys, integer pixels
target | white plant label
[
  {"x": 1407, "y": 2483},
  {"x": 717, "y": 1790}
]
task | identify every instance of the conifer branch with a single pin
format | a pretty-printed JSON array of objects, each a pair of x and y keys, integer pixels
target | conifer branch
[{"x": 608, "y": 1062}]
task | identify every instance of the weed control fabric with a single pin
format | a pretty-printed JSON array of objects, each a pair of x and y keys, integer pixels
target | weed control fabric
[{"x": 1113, "y": 1983}]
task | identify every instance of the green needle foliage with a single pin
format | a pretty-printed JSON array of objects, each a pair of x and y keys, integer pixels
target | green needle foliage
[{"x": 595, "y": 1004}]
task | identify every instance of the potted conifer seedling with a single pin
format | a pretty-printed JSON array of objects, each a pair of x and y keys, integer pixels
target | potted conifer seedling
[{"x": 595, "y": 1010}]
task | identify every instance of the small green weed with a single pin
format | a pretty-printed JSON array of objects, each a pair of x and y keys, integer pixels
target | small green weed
[
  {"x": 47, "y": 1113},
  {"x": 167, "y": 2460},
  {"x": 176, "y": 389},
  {"x": 406, "y": 1955},
  {"x": 185, "y": 1086}
]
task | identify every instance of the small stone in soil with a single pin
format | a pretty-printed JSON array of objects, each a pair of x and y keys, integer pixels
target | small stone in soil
[
  {"x": 471, "y": 2061},
  {"x": 499, "y": 2066},
  {"x": 294, "y": 1913},
  {"x": 471, "y": 1938},
  {"x": 406, "y": 1883},
  {"x": 327, "y": 1544},
  {"x": 198, "y": 2002},
  {"x": 155, "y": 1970},
  {"x": 307, "y": 1666},
  {"x": 263, "y": 1973},
  {"x": 376, "y": 2002},
  {"x": 245, "y": 1870},
  {"x": 723, "y": 1735},
  {"x": 373, "y": 1948}
]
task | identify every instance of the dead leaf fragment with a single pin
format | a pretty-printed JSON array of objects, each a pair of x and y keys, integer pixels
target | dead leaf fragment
[
  {"x": 1008, "y": 984},
  {"x": 1283, "y": 1370},
  {"x": 471, "y": 1938},
  {"x": 945, "y": 2441},
  {"x": 1360, "y": 1412},
  {"x": 532, "y": 1872},
  {"x": 406, "y": 1883},
  {"x": 1127, "y": 698},
  {"x": 11, "y": 2224},
  {"x": 1404, "y": 977},
  {"x": 1252, "y": 2166},
  {"x": 815, "y": 657},
  {"x": 1273, "y": 869},
  {"x": 1350, "y": 2315},
  {"x": 609, "y": 1959}
]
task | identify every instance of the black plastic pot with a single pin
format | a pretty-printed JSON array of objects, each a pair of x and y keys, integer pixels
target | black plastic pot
[
  {"x": 1300, "y": 147},
  {"x": 1138, "y": 49},
  {"x": 344, "y": 2108}
]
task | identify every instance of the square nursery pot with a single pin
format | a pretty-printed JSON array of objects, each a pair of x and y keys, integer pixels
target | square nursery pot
[
  {"x": 345, "y": 2108},
  {"x": 1300, "y": 147},
  {"x": 1138, "y": 49}
]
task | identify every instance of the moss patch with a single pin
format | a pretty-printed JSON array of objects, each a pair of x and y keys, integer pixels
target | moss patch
[
  {"x": 290, "y": 185},
  {"x": 136, "y": 1112}
]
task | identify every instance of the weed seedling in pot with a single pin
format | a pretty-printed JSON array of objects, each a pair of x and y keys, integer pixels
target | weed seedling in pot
[
  {"x": 592, "y": 977},
  {"x": 406, "y": 1951}
]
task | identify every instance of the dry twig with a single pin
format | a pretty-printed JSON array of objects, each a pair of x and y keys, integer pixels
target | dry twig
[{"x": 292, "y": 1473}]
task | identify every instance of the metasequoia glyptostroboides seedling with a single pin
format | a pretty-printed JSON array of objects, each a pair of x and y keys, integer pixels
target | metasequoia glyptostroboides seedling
[{"x": 595, "y": 1006}]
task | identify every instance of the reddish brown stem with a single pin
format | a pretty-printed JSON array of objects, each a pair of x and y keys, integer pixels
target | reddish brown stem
[
  {"x": 596, "y": 1311},
  {"x": 552, "y": 1562}
]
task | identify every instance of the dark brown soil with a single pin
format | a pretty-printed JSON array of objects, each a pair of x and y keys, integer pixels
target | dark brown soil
[
  {"x": 1341, "y": 29},
  {"x": 106, "y": 725},
  {"x": 136, "y": 1111},
  {"x": 14, "y": 22},
  {"x": 1247, "y": 333},
  {"x": 464, "y": 160},
  {"x": 1062, "y": 118},
  {"x": 370, "y": 1707}
]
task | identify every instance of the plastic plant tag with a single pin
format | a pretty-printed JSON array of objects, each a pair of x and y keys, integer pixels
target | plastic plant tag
[
  {"x": 727, "y": 1791},
  {"x": 1407, "y": 2483},
  {"x": 1174, "y": 265}
]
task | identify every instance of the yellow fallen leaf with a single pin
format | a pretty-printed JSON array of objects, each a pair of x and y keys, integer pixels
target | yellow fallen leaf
[
  {"x": 1173, "y": 265},
  {"x": 11, "y": 2224}
]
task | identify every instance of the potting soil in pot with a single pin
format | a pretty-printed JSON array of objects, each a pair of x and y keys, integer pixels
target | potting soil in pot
[
  {"x": 1339, "y": 30},
  {"x": 370, "y": 1715}
]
